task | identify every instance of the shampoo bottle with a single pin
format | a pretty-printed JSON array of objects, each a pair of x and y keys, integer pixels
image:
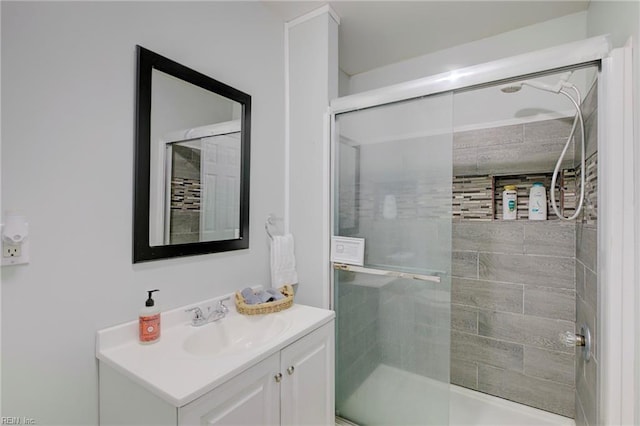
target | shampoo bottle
[
  {"x": 538, "y": 202},
  {"x": 149, "y": 321}
]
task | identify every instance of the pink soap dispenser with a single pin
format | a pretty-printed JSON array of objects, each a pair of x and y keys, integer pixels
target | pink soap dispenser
[{"x": 149, "y": 321}]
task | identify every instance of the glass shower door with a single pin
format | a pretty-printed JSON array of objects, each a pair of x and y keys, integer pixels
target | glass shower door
[{"x": 392, "y": 174}]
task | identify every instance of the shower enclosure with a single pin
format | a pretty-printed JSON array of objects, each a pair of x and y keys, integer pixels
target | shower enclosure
[
  {"x": 418, "y": 173},
  {"x": 394, "y": 190}
]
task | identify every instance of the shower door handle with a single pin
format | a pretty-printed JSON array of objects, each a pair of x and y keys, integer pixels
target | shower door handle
[{"x": 384, "y": 272}]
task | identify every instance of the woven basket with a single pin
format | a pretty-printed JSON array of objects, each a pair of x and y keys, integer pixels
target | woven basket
[{"x": 266, "y": 308}]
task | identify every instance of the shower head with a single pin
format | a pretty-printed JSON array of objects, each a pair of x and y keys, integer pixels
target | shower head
[{"x": 511, "y": 88}]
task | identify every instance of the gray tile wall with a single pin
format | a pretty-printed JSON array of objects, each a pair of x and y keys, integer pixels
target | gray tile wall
[
  {"x": 357, "y": 335},
  {"x": 512, "y": 295},
  {"x": 415, "y": 327},
  {"x": 586, "y": 263},
  {"x": 517, "y": 285},
  {"x": 522, "y": 148},
  {"x": 397, "y": 322},
  {"x": 185, "y": 226}
]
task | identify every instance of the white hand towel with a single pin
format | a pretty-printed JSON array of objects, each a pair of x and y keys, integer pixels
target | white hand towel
[{"x": 283, "y": 261}]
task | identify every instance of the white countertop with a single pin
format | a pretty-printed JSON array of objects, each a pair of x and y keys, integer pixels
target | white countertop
[{"x": 167, "y": 370}]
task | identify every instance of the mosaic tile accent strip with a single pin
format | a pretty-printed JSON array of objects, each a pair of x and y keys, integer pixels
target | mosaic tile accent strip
[
  {"x": 590, "y": 211},
  {"x": 185, "y": 194},
  {"x": 432, "y": 199},
  {"x": 473, "y": 198},
  {"x": 413, "y": 199},
  {"x": 570, "y": 192},
  {"x": 366, "y": 201}
]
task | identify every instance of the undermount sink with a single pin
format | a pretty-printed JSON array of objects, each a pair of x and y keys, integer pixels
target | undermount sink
[{"x": 234, "y": 334}]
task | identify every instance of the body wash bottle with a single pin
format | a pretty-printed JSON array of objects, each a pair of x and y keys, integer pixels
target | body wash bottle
[
  {"x": 149, "y": 321},
  {"x": 510, "y": 202}
]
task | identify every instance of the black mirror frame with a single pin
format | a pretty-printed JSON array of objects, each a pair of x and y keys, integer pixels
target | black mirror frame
[{"x": 142, "y": 251}]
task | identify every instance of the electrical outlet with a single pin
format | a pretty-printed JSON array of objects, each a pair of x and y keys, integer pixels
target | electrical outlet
[
  {"x": 14, "y": 240},
  {"x": 10, "y": 250},
  {"x": 15, "y": 254}
]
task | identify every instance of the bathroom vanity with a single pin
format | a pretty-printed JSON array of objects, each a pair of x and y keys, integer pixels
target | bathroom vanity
[{"x": 246, "y": 370}]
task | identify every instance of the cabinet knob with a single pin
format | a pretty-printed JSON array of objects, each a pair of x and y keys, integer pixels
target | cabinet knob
[
  {"x": 290, "y": 370},
  {"x": 278, "y": 377}
]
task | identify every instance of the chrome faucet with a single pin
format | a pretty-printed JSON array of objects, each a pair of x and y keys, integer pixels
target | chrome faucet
[{"x": 199, "y": 318}]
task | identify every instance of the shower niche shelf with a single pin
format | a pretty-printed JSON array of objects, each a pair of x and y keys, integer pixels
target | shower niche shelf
[
  {"x": 565, "y": 193},
  {"x": 479, "y": 198}
]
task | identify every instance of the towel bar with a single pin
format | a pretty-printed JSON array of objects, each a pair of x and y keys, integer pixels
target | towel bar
[
  {"x": 371, "y": 271},
  {"x": 267, "y": 223}
]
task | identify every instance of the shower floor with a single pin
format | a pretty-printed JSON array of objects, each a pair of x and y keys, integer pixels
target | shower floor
[{"x": 390, "y": 396}]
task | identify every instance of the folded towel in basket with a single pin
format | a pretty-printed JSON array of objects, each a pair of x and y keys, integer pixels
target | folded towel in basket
[
  {"x": 275, "y": 293},
  {"x": 261, "y": 296},
  {"x": 250, "y": 297}
]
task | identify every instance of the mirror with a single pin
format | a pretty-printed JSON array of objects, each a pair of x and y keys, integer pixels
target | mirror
[{"x": 191, "y": 180}]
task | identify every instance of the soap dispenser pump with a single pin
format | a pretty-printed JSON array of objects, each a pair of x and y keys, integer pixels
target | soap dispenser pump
[{"x": 149, "y": 321}]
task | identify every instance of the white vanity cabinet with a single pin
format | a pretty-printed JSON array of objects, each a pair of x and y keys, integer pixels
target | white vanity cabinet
[
  {"x": 250, "y": 398},
  {"x": 307, "y": 386},
  {"x": 292, "y": 387}
]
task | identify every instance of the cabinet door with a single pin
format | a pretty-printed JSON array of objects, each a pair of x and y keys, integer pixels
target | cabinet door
[
  {"x": 250, "y": 398},
  {"x": 308, "y": 379}
]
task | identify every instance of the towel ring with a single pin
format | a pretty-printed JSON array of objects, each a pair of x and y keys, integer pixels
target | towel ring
[{"x": 267, "y": 223}]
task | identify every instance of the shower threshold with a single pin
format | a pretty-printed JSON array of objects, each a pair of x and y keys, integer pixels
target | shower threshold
[{"x": 390, "y": 396}]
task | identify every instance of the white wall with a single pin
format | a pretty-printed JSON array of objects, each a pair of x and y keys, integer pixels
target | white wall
[
  {"x": 68, "y": 73},
  {"x": 547, "y": 34},
  {"x": 621, "y": 20},
  {"x": 343, "y": 83},
  {"x": 313, "y": 82}
]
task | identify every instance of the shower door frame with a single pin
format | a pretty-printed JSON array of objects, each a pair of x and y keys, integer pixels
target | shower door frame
[{"x": 616, "y": 254}]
